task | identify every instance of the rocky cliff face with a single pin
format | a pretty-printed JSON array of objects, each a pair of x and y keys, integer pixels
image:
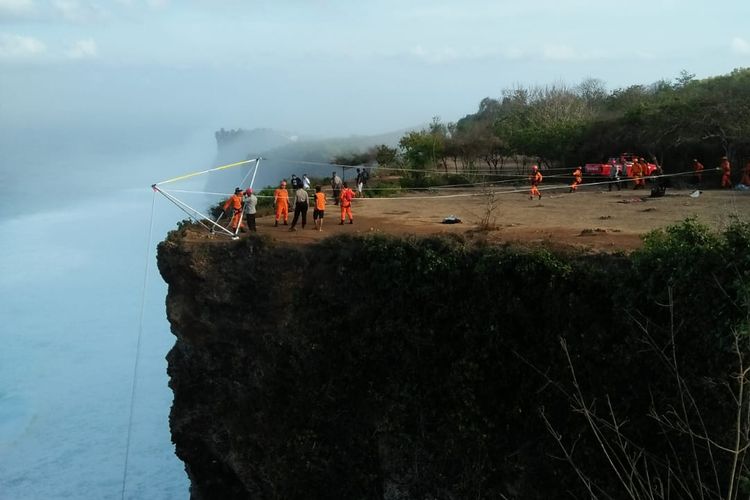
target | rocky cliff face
[{"x": 401, "y": 368}]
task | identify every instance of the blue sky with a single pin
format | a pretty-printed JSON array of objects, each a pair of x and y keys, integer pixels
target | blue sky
[{"x": 329, "y": 67}]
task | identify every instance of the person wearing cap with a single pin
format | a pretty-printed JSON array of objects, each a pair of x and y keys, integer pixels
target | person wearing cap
[
  {"x": 301, "y": 205},
  {"x": 577, "y": 179},
  {"x": 697, "y": 171},
  {"x": 336, "y": 187},
  {"x": 726, "y": 172},
  {"x": 281, "y": 201},
  {"x": 535, "y": 178},
  {"x": 235, "y": 203},
  {"x": 251, "y": 201},
  {"x": 345, "y": 201}
]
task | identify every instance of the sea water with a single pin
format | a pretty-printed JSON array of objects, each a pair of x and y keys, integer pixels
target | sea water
[{"x": 78, "y": 286}]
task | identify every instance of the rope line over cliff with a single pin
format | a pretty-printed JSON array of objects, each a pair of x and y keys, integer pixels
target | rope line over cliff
[
  {"x": 138, "y": 348},
  {"x": 195, "y": 214},
  {"x": 470, "y": 189}
]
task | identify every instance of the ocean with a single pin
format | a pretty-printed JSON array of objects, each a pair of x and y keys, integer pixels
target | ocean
[{"x": 79, "y": 285}]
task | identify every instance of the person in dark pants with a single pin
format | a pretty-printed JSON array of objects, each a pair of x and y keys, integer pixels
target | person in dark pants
[
  {"x": 336, "y": 187},
  {"x": 614, "y": 176},
  {"x": 301, "y": 204},
  {"x": 319, "y": 210},
  {"x": 251, "y": 201}
]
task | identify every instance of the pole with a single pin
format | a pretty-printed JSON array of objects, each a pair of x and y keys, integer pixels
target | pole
[
  {"x": 217, "y": 221},
  {"x": 257, "y": 164}
]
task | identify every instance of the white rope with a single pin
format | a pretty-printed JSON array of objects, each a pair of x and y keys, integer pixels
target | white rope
[
  {"x": 187, "y": 176},
  {"x": 187, "y": 209},
  {"x": 138, "y": 348},
  {"x": 242, "y": 182}
]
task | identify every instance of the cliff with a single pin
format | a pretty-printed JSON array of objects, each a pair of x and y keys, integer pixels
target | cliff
[{"x": 381, "y": 367}]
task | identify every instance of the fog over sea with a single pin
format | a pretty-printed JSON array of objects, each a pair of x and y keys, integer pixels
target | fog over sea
[{"x": 75, "y": 212}]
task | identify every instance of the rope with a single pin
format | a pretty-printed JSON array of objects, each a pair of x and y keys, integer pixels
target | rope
[
  {"x": 222, "y": 167},
  {"x": 138, "y": 348},
  {"x": 483, "y": 171},
  {"x": 487, "y": 185}
]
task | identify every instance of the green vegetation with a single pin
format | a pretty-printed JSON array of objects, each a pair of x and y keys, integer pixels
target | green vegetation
[
  {"x": 667, "y": 122},
  {"x": 437, "y": 368}
]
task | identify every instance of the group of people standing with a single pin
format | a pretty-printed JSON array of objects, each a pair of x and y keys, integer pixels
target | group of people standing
[
  {"x": 342, "y": 196},
  {"x": 638, "y": 172},
  {"x": 726, "y": 174},
  {"x": 301, "y": 204},
  {"x": 242, "y": 205}
]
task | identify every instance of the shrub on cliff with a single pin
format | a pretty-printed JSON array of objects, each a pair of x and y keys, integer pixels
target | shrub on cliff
[{"x": 372, "y": 367}]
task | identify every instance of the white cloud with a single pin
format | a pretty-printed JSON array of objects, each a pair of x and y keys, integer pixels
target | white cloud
[
  {"x": 450, "y": 54},
  {"x": 559, "y": 53},
  {"x": 740, "y": 45},
  {"x": 75, "y": 11},
  {"x": 435, "y": 56},
  {"x": 16, "y": 6},
  {"x": 514, "y": 53},
  {"x": 83, "y": 49},
  {"x": 20, "y": 47}
]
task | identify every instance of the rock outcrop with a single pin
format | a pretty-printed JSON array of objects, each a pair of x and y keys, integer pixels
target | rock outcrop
[{"x": 394, "y": 368}]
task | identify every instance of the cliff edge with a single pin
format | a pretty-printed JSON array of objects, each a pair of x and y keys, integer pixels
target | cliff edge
[{"x": 404, "y": 367}]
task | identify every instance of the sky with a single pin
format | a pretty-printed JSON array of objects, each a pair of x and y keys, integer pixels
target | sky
[
  {"x": 334, "y": 67},
  {"x": 96, "y": 95}
]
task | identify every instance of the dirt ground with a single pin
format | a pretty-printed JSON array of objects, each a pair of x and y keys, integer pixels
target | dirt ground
[{"x": 591, "y": 219}]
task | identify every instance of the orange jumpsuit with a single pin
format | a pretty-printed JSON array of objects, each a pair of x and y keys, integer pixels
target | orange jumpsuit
[
  {"x": 726, "y": 169},
  {"x": 637, "y": 173},
  {"x": 281, "y": 199},
  {"x": 577, "y": 179},
  {"x": 236, "y": 203},
  {"x": 536, "y": 179},
  {"x": 698, "y": 169},
  {"x": 345, "y": 202}
]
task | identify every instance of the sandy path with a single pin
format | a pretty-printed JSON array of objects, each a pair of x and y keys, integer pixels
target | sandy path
[{"x": 591, "y": 218}]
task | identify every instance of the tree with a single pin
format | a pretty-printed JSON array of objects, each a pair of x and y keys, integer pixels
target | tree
[
  {"x": 419, "y": 151},
  {"x": 384, "y": 155}
]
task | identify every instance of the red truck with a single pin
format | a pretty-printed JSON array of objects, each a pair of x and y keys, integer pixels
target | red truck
[{"x": 624, "y": 161}]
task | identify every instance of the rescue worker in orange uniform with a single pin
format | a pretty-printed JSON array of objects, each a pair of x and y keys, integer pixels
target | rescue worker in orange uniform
[
  {"x": 281, "y": 201},
  {"x": 726, "y": 171},
  {"x": 320, "y": 208},
  {"x": 644, "y": 172},
  {"x": 697, "y": 171},
  {"x": 637, "y": 174},
  {"x": 235, "y": 203},
  {"x": 345, "y": 202},
  {"x": 577, "y": 179},
  {"x": 536, "y": 179}
]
